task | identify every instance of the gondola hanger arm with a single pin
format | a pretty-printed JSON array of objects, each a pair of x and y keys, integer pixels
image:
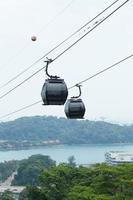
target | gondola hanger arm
[
  {"x": 48, "y": 61},
  {"x": 79, "y": 86}
]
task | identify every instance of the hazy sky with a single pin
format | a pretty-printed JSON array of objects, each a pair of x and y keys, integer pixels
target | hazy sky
[{"x": 108, "y": 96}]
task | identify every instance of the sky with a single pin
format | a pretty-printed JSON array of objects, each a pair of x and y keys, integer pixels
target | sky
[{"x": 108, "y": 97}]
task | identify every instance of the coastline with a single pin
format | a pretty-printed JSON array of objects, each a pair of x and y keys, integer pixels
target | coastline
[{"x": 61, "y": 145}]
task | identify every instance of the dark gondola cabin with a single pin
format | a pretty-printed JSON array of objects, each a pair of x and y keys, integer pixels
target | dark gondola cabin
[
  {"x": 54, "y": 90},
  {"x": 75, "y": 109}
]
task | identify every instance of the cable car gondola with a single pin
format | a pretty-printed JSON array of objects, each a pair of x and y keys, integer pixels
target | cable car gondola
[
  {"x": 54, "y": 90},
  {"x": 75, "y": 108}
]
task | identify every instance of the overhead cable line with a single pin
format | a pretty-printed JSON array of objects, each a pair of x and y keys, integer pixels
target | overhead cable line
[
  {"x": 56, "y": 47},
  {"x": 14, "y": 88},
  {"x": 23, "y": 108},
  {"x": 81, "y": 82},
  {"x": 102, "y": 71},
  {"x": 97, "y": 24},
  {"x": 21, "y": 50}
]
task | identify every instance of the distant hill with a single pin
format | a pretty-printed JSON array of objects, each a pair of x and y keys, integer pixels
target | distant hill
[{"x": 60, "y": 130}]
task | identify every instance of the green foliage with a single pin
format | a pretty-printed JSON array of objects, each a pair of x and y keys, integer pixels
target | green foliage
[
  {"x": 24, "y": 194},
  {"x": 81, "y": 192},
  {"x": 29, "y": 169},
  {"x": 7, "y": 168},
  {"x": 57, "y": 181},
  {"x": 32, "y": 193},
  {"x": 38, "y": 129},
  {"x": 85, "y": 193},
  {"x": 99, "y": 182},
  {"x": 71, "y": 161},
  {"x": 7, "y": 195}
]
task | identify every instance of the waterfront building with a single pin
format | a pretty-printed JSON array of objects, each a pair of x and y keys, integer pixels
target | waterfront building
[{"x": 118, "y": 157}]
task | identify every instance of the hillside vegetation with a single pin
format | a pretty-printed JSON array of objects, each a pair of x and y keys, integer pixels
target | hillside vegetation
[
  {"x": 30, "y": 169},
  {"x": 99, "y": 182},
  {"x": 47, "y": 181},
  {"x": 7, "y": 168},
  {"x": 45, "y": 130}
]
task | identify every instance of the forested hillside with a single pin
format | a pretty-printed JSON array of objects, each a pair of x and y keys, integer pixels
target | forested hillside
[
  {"x": 30, "y": 169},
  {"x": 7, "y": 168},
  {"x": 99, "y": 182},
  {"x": 52, "y": 130}
]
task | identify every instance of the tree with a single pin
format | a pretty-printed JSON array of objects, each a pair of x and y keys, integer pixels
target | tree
[
  {"x": 7, "y": 168},
  {"x": 23, "y": 195},
  {"x": 85, "y": 193},
  {"x": 7, "y": 195},
  {"x": 32, "y": 193},
  {"x": 99, "y": 182},
  {"x": 56, "y": 181},
  {"x": 37, "y": 129},
  {"x": 71, "y": 161},
  {"x": 30, "y": 169}
]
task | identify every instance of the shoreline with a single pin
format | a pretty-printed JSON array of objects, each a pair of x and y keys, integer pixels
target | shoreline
[{"x": 62, "y": 145}]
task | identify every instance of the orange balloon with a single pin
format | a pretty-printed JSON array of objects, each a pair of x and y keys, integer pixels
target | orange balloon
[{"x": 33, "y": 38}]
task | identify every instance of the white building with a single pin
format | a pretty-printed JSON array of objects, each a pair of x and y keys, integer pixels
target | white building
[{"x": 118, "y": 157}]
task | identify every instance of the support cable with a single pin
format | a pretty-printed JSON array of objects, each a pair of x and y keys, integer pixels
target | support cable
[
  {"x": 81, "y": 82},
  {"x": 56, "y": 47},
  {"x": 14, "y": 88}
]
